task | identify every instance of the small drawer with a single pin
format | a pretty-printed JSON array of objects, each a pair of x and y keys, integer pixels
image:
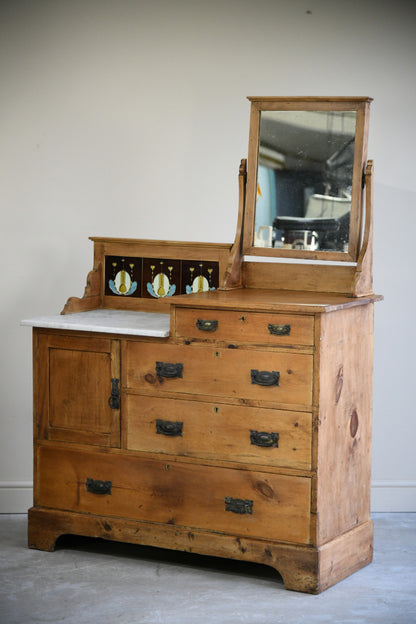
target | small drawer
[
  {"x": 245, "y": 503},
  {"x": 277, "y": 377},
  {"x": 256, "y": 327},
  {"x": 217, "y": 431}
]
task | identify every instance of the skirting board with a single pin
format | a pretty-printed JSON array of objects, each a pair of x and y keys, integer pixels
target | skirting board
[
  {"x": 15, "y": 496},
  {"x": 393, "y": 496},
  {"x": 386, "y": 496}
]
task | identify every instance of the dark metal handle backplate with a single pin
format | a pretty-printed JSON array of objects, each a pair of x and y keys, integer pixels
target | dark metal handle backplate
[
  {"x": 114, "y": 400},
  {"x": 238, "y": 505},
  {"x": 279, "y": 330},
  {"x": 98, "y": 487},
  {"x": 264, "y": 438},
  {"x": 206, "y": 325},
  {"x": 165, "y": 369},
  {"x": 265, "y": 378},
  {"x": 169, "y": 427}
]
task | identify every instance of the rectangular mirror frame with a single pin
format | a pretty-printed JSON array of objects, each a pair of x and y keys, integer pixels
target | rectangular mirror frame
[{"x": 358, "y": 104}]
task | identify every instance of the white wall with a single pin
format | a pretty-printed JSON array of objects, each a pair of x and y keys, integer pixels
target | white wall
[{"x": 129, "y": 118}]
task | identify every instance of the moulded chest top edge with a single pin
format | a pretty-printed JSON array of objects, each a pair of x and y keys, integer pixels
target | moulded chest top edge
[
  {"x": 272, "y": 300},
  {"x": 134, "y": 323}
]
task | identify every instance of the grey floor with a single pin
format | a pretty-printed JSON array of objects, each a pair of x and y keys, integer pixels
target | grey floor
[{"x": 91, "y": 581}]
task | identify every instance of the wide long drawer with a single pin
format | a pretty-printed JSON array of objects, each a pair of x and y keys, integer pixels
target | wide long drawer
[
  {"x": 217, "y": 431},
  {"x": 237, "y": 502},
  {"x": 258, "y": 327},
  {"x": 277, "y": 377}
]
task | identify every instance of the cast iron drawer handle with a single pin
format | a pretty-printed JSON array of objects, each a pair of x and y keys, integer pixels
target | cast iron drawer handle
[
  {"x": 279, "y": 330},
  {"x": 205, "y": 325},
  {"x": 265, "y": 378},
  {"x": 169, "y": 427},
  {"x": 263, "y": 438},
  {"x": 238, "y": 505},
  {"x": 98, "y": 487},
  {"x": 164, "y": 369}
]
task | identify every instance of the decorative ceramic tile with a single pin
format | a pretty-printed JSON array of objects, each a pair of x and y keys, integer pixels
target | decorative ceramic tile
[
  {"x": 123, "y": 276},
  {"x": 161, "y": 277},
  {"x": 198, "y": 276}
]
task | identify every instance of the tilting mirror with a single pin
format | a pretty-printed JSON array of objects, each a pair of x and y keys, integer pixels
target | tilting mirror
[{"x": 304, "y": 186}]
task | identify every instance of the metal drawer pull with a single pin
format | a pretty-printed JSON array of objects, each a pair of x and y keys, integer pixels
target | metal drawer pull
[
  {"x": 98, "y": 487},
  {"x": 279, "y": 330},
  {"x": 263, "y": 438},
  {"x": 238, "y": 505},
  {"x": 164, "y": 369},
  {"x": 265, "y": 378},
  {"x": 169, "y": 427},
  {"x": 114, "y": 400},
  {"x": 205, "y": 325}
]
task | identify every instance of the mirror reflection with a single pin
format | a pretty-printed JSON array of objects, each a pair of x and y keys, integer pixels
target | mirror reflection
[{"x": 304, "y": 180}]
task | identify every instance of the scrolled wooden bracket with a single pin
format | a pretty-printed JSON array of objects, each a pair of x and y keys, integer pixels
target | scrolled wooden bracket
[
  {"x": 92, "y": 294},
  {"x": 233, "y": 275},
  {"x": 363, "y": 276}
]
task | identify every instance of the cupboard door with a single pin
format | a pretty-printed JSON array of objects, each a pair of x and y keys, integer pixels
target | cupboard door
[{"x": 78, "y": 389}]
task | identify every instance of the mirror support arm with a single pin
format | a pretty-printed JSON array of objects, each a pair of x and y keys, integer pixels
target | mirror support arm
[
  {"x": 233, "y": 273},
  {"x": 363, "y": 278}
]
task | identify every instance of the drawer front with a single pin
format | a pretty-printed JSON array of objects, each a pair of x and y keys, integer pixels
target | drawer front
[
  {"x": 205, "y": 370},
  {"x": 257, "y": 327},
  {"x": 220, "y": 499},
  {"x": 223, "y": 432}
]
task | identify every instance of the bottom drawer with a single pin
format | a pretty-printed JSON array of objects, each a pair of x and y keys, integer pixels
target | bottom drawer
[{"x": 232, "y": 501}]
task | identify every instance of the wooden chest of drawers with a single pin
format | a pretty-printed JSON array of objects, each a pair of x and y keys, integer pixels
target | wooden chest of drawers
[
  {"x": 244, "y": 434},
  {"x": 245, "y": 431}
]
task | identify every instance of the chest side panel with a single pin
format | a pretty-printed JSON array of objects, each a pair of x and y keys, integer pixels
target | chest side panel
[{"x": 345, "y": 406}]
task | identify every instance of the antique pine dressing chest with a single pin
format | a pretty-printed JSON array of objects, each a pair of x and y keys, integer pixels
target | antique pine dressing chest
[{"x": 217, "y": 398}]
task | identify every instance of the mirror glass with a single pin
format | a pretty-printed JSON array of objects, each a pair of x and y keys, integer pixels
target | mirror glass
[{"x": 304, "y": 179}]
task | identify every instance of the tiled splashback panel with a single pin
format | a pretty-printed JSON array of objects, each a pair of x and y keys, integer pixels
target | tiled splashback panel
[{"x": 158, "y": 277}]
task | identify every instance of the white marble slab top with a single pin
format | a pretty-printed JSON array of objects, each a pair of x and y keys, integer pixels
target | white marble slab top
[{"x": 108, "y": 321}]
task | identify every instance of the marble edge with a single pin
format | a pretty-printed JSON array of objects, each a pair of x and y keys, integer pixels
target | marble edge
[{"x": 59, "y": 322}]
